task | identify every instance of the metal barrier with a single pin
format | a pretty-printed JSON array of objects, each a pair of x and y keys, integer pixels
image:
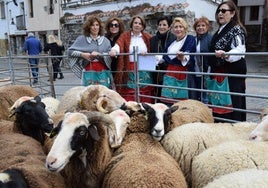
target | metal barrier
[{"x": 16, "y": 70}]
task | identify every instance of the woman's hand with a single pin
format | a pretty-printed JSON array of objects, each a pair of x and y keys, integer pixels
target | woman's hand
[
  {"x": 113, "y": 53},
  {"x": 180, "y": 56},
  {"x": 221, "y": 54}
]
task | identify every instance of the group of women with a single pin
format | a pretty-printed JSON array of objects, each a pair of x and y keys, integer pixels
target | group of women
[{"x": 101, "y": 53}]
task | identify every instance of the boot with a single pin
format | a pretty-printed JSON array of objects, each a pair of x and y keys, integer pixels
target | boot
[
  {"x": 61, "y": 76},
  {"x": 54, "y": 76}
]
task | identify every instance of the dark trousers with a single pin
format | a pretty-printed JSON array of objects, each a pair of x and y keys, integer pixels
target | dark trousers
[{"x": 34, "y": 67}]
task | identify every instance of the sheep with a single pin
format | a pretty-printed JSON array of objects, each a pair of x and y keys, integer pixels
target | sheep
[
  {"x": 226, "y": 158},
  {"x": 260, "y": 133},
  {"x": 70, "y": 100},
  {"x": 13, "y": 178},
  {"x": 9, "y": 94},
  {"x": 31, "y": 119},
  {"x": 121, "y": 121},
  {"x": 90, "y": 98},
  {"x": 25, "y": 154},
  {"x": 159, "y": 116},
  {"x": 187, "y": 141},
  {"x": 141, "y": 161},
  {"x": 190, "y": 111},
  {"x": 82, "y": 148},
  {"x": 51, "y": 105},
  {"x": 243, "y": 178},
  {"x": 6, "y": 126}
]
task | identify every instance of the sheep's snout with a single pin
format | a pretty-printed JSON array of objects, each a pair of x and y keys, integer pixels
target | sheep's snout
[
  {"x": 50, "y": 161},
  {"x": 157, "y": 134}
]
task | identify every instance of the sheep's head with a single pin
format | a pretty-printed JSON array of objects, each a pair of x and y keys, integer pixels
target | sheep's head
[
  {"x": 132, "y": 106},
  {"x": 17, "y": 103},
  {"x": 159, "y": 118},
  {"x": 79, "y": 132},
  {"x": 101, "y": 98},
  {"x": 260, "y": 133},
  {"x": 121, "y": 120},
  {"x": 32, "y": 119}
]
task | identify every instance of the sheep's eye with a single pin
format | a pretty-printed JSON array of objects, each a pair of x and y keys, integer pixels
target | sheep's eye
[{"x": 82, "y": 133}]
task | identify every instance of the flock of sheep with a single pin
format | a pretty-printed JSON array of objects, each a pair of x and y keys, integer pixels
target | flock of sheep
[{"x": 92, "y": 137}]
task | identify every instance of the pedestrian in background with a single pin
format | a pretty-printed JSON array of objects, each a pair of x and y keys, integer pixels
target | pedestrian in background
[
  {"x": 89, "y": 47},
  {"x": 203, "y": 39},
  {"x": 125, "y": 75},
  {"x": 61, "y": 51},
  {"x": 178, "y": 62},
  {"x": 114, "y": 28},
  {"x": 230, "y": 37},
  {"x": 54, "y": 50},
  {"x": 159, "y": 43},
  {"x": 33, "y": 47}
]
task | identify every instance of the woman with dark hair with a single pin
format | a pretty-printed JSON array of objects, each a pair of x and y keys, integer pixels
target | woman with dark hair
[
  {"x": 230, "y": 38},
  {"x": 125, "y": 76},
  {"x": 114, "y": 28},
  {"x": 89, "y": 47},
  {"x": 159, "y": 43}
]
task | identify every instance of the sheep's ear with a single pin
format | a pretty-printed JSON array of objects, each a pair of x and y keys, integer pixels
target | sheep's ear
[
  {"x": 146, "y": 106},
  {"x": 92, "y": 129},
  {"x": 55, "y": 130},
  {"x": 37, "y": 98},
  {"x": 173, "y": 108}
]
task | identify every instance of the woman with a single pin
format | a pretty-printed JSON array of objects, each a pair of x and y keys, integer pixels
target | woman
[
  {"x": 203, "y": 39},
  {"x": 124, "y": 78},
  {"x": 114, "y": 28},
  {"x": 54, "y": 50},
  {"x": 178, "y": 62},
  {"x": 90, "y": 46},
  {"x": 230, "y": 37},
  {"x": 158, "y": 44}
]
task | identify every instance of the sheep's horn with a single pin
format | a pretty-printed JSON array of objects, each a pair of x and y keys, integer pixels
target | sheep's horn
[
  {"x": 97, "y": 117},
  {"x": 100, "y": 103}
]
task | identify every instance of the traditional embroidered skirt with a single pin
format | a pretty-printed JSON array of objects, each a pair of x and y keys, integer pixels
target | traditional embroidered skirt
[
  {"x": 97, "y": 73},
  {"x": 176, "y": 80},
  {"x": 128, "y": 92}
]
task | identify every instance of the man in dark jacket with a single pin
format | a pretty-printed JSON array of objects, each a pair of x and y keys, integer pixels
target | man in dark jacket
[{"x": 33, "y": 47}]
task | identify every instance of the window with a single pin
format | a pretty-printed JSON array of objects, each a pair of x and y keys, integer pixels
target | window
[
  {"x": 31, "y": 13},
  {"x": 51, "y": 7},
  {"x": 2, "y": 10},
  {"x": 254, "y": 13}
]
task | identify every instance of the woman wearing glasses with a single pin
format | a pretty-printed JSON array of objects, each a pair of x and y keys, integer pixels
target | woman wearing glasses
[
  {"x": 125, "y": 78},
  {"x": 230, "y": 38},
  {"x": 114, "y": 28}
]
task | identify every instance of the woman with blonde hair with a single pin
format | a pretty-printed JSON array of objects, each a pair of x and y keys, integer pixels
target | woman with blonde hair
[
  {"x": 54, "y": 50},
  {"x": 178, "y": 62}
]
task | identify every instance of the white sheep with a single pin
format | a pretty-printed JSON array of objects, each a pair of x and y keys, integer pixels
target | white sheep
[
  {"x": 141, "y": 161},
  {"x": 227, "y": 158},
  {"x": 242, "y": 178},
  {"x": 260, "y": 133},
  {"x": 25, "y": 154},
  {"x": 81, "y": 150},
  {"x": 91, "y": 98},
  {"x": 187, "y": 141},
  {"x": 51, "y": 105}
]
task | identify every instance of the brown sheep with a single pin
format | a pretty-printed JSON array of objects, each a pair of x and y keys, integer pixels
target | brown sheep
[
  {"x": 9, "y": 94},
  {"x": 190, "y": 111},
  {"x": 22, "y": 152}
]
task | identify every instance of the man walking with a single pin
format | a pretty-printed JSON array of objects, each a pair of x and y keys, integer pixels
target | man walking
[{"x": 33, "y": 47}]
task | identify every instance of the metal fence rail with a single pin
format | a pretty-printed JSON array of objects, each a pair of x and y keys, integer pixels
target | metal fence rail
[{"x": 16, "y": 70}]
